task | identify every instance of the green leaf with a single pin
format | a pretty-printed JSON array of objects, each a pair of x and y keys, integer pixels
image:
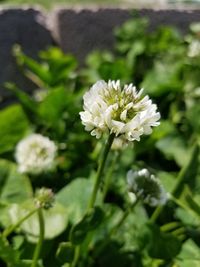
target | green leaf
[
  {"x": 55, "y": 219},
  {"x": 115, "y": 70},
  {"x": 65, "y": 252},
  {"x": 190, "y": 255},
  {"x": 174, "y": 147},
  {"x": 192, "y": 115},
  {"x": 188, "y": 173},
  {"x": 168, "y": 180},
  {"x": 28, "y": 104},
  {"x": 90, "y": 221},
  {"x": 15, "y": 187},
  {"x": 163, "y": 78},
  {"x": 60, "y": 66},
  {"x": 13, "y": 125},
  {"x": 75, "y": 197},
  {"x": 8, "y": 254},
  {"x": 36, "y": 68},
  {"x": 131, "y": 30},
  {"x": 28, "y": 263},
  {"x": 162, "y": 245},
  {"x": 193, "y": 204},
  {"x": 189, "y": 202},
  {"x": 51, "y": 109},
  {"x": 138, "y": 47},
  {"x": 187, "y": 217},
  {"x": 53, "y": 69}
]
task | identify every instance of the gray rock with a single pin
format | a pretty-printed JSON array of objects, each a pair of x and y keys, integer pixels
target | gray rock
[
  {"x": 27, "y": 28},
  {"x": 79, "y": 31}
]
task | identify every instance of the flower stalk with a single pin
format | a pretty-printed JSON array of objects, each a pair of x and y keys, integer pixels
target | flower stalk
[
  {"x": 76, "y": 256},
  {"x": 41, "y": 239},
  {"x": 12, "y": 228},
  {"x": 100, "y": 170},
  {"x": 108, "y": 177}
]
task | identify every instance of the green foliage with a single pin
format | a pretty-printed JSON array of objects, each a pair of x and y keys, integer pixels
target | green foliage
[
  {"x": 162, "y": 245},
  {"x": 189, "y": 255},
  {"x": 65, "y": 252},
  {"x": 8, "y": 254},
  {"x": 112, "y": 233},
  {"x": 55, "y": 69},
  {"x": 56, "y": 216},
  {"x": 13, "y": 125},
  {"x": 15, "y": 187},
  {"x": 75, "y": 202},
  {"x": 89, "y": 222}
]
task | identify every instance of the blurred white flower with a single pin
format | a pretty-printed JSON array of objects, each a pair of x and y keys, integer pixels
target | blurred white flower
[
  {"x": 35, "y": 154},
  {"x": 122, "y": 111},
  {"x": 40, "y": 94},
  {"x": 146, "y": 187},
  {"x": 194, "y": 49}
]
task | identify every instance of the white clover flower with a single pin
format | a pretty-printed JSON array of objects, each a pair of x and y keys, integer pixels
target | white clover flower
[
  {"x": 35, "y": 154},
  {"x": 122, "y": 111},
  {"x": 146, "y": 187},
  {"x": 194, "y": 49}
]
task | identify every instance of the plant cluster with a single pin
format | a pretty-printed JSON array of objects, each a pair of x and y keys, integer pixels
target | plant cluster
[{"x": 129, "y": 197}]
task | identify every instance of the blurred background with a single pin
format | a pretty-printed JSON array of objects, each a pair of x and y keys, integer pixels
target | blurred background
[{"x": 128, "y": 3}]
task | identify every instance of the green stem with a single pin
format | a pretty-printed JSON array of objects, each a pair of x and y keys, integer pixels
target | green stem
[
  {"x": 187, "y": 172},
  {"x": 95, "y": 189},
  {"x": 109, "y": 174},
  {"x": 183, "y": 177},
  {"x": 41, "y": 239},
  {"x": 10, "y": 229},
  {"x": 184, "y": 206},
  {"x": 76, "y": 256},
  {"x": 170, "y": 226},
  {"x": 156, "y": 214},
  {"x": 100, "y": 171},
  {"x": 179, "y": 231}
]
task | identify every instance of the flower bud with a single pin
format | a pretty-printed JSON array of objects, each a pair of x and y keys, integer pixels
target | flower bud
[
  {"x": 44, "y": 198},
  {"x": 146, "y": 187}
]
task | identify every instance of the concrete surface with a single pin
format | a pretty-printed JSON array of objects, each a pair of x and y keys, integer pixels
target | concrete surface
[{"x": 76, "y": 31}]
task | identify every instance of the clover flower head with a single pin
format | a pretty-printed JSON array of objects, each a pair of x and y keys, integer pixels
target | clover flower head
[
  {"x": 123, "y": 111},
  {"x": 35, "y": 154},
  {"x": 146, "y": 187},
  {"x": 44, "y": 198},
  {"x": 194, "y": 49}
]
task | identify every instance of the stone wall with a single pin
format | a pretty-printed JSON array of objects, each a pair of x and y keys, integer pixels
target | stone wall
[
  {"x": 80, "y": 31},
  {"x": 76, "y": 31}
]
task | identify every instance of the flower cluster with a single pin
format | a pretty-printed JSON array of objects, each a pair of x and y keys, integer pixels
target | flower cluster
[
  {"x": 146, "y": 187},
  {"x": 44, "y": 198},
  {"x": 123, "y": 111},
  {"x": 35, "y": 154}
]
